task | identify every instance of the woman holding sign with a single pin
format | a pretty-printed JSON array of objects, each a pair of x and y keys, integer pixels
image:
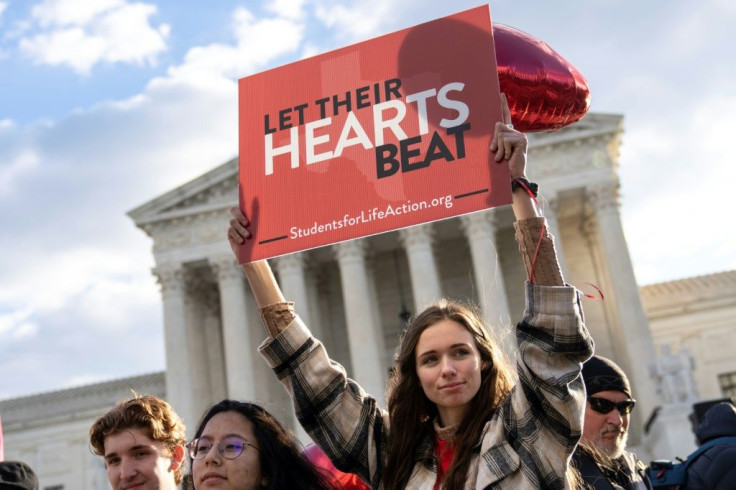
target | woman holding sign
[{"x": 455, "y": 419}]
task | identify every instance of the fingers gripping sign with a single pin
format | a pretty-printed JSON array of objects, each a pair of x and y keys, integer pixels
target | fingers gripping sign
[
  {"x": 237, "y": 232},
  {"x": 508, "y": 144}
]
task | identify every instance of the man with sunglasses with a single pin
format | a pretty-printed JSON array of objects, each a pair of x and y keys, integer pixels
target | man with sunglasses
[{"x": 601, "y": 457}]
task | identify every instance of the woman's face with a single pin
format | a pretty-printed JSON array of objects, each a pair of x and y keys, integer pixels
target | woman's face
[
  {"x": 448, "y": 366},
  {"x": 215, "y": 471}
]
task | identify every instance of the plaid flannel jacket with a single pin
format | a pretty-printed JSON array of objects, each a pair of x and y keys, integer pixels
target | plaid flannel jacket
[{"x": 528, "y": 442}]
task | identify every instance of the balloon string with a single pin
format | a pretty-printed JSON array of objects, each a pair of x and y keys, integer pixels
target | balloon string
[
  {"x": 600, "y": 293},
  {"x": 600, "y": 296},
  {"x": 541, "y": 234}
]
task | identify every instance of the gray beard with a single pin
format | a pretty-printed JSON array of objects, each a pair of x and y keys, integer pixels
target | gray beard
[{"x": 617, "y": 451}]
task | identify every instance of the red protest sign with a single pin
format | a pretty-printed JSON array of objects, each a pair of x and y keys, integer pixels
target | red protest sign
[{"x": 373, "y": 137}]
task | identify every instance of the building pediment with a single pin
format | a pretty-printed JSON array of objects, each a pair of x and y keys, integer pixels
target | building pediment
[
  {"x": 213, "y": 191},
  {"x": 591, "y": 126}
]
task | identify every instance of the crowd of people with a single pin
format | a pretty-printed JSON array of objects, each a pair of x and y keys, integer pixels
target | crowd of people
[{"x": 458, "y": 416}]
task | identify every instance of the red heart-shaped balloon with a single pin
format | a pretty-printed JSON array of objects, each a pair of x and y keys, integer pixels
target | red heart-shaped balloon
[{"x": 545, "y": 92}]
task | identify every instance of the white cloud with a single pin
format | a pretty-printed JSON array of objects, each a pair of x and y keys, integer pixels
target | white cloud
[
  {"x": 359, "y": 21},
  {"x": 17, "y": 324},
  {"x": 71, "y": 47},
  {"x": 25, "y": 331},
  {"x": 3, "y": 6},
  {"x": 75, "y": 272},
  {"x": 108, "y": 300},
  {"x": 71, "y": 12},
  {"x": 288, "y": 9},
  {"x": 80, "y": 34},
  {"x": 673, "y": 173},
  {"x": 258, "y": 42},
  {"x": 16, "y": 168},
  {"x": 16, "y": 30},
  {"x": 696, "y": 29}
]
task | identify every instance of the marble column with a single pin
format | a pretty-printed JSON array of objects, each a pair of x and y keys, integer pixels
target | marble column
[
  {"x": 199, "y": 365},
  {"x": 178, "y": 379},
  {"x": 364, "y": 334},
  {"x": 212, "y": 325},
  {"x": 236, "y": 338},
  {"x": 293, "y": 283},
  {"x": 480, "y": 230},
  {"x": 635, "y": 344},
  {"x": 551, "y": 215},
  {"x": 425, "y": 282}
]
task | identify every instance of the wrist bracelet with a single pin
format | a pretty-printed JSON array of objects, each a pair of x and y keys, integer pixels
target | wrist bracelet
[{"x": 521, "y": 182}]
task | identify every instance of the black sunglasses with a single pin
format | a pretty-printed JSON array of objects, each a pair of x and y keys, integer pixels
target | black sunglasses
[{"x": 601, "y": 405}]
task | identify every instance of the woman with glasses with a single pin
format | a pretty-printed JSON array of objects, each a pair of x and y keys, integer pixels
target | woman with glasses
[
  {"x": 455, "y": 420},
  {"x": 240, "y": 446}
]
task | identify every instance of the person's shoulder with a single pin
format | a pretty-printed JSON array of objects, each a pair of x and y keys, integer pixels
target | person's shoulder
[{"x": 630, "y": 459}]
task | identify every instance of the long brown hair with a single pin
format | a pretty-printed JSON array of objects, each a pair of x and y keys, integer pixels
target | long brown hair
[{"x": 411, "y": 413}]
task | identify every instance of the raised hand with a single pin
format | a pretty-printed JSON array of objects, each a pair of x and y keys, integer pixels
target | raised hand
[{"x": 508, "y": 144}]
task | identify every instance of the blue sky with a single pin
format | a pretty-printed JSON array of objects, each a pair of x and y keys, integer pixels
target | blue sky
[{"x": 107, "y": 104}]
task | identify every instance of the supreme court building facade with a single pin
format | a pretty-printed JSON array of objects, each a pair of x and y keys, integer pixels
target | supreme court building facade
[{"x": 352, "y": 294}]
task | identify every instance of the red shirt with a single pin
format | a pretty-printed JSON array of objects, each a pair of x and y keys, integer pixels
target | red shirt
[{"x": 445, "y": 451}]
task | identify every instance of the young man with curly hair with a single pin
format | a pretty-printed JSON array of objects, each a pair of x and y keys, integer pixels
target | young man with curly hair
[{"x": 142, "y": 440}]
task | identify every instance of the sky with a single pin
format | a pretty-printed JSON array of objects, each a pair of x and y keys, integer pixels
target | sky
[{"x": 105, "y": 105}]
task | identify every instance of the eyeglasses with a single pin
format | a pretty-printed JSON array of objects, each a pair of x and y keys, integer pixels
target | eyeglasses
[
  {"x": 229, "y": 448},
  {"x": 601, "y": 405}
]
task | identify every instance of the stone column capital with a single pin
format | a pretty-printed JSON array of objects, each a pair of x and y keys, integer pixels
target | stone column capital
[
  {"x": 226, "y": 269},
  {"x": 350, "y": 251},
  {"x": 171, "y": 279},
  {"x": 199, "y": 285},
  {"x": 480, "y": 225},
  {"x": 603, "y": 197},
  {"x": 417, "y": 235},
  {"x": 291, "y": 262},
  {"x": 425, "y": 280}
]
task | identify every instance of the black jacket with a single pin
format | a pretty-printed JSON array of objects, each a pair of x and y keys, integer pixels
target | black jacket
[
  {"x": 624, "y": 473},
  {"x": 715, "y": 469}
]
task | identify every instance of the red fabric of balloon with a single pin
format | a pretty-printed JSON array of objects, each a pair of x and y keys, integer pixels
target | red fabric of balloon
[{"x": 545, "y": 92}]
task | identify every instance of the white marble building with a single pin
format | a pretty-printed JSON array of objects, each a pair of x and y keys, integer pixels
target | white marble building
[
  {"x": 352, "y": 294},
  {"x": 693, "y": 322},
  {"x": 698, "y": 315}
]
